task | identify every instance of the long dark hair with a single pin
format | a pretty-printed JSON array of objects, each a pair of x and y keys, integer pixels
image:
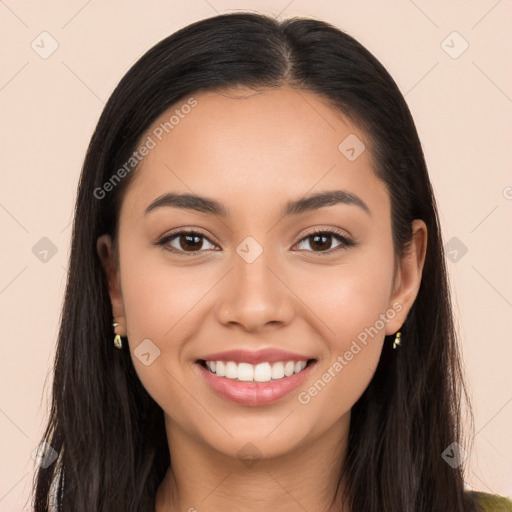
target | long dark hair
[{"x": 107, "y": 431}]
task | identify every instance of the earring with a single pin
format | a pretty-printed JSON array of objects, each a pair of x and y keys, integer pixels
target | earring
[
  {"x": 397, "y": 339},
  {"x": 118, "y": 343}
]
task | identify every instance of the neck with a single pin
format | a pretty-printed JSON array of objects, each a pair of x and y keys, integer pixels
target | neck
[{"x": 305, "y": 478}]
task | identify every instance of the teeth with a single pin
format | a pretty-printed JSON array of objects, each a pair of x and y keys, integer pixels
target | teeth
[
  {"x": 289, "y": 368},
  {"x": 263, "y": 372},
  {"x": 231, "y": 370},
  {"x": 245, "y": 372},
  {"x": 277, "y": 371}
]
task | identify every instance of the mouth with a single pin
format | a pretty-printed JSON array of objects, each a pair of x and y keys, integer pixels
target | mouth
[
  {"x": 254, "y": 385},
  {"x": 262, "y": 372}
]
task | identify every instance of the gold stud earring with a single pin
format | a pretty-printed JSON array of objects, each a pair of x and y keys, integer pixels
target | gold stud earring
[
  {"x": 397, "y": 339},
  {"x": 118, "y": 343}
]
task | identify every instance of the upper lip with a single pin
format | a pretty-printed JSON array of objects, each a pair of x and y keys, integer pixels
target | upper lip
[{"x": 270, "y": 355}]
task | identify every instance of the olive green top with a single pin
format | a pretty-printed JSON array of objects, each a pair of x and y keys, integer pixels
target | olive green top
[{"x": 491, "y": 502}]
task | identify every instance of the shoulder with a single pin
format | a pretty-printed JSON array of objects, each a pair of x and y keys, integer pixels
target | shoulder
[{"x": 490, "y": 502}]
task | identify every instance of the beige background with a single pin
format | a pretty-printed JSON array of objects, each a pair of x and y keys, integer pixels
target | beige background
[{"x": 49, "y": 107}]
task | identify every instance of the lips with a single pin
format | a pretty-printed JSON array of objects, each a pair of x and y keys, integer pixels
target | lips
[
  {"x": 253, "y": 393},
  {"x": 288, "y": 371},
  {"x": 268, "y": 355}
]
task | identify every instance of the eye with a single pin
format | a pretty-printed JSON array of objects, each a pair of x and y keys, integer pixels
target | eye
[
  {"x": 187, "y": 242},
  {"x": 321, "y": 241},
  {"x": 191, "y": 243}
]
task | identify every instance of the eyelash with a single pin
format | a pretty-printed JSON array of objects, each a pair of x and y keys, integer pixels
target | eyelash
[{"x": 346, "y": 243}]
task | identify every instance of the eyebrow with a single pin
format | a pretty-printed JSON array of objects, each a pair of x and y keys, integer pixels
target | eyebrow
[{"x": 303, "y": 205}]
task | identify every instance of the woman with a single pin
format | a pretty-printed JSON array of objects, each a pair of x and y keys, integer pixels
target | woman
[{"x": 257, "y": 314}]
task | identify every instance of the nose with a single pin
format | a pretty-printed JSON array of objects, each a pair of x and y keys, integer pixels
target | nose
[{"x": 255, "y": 295}]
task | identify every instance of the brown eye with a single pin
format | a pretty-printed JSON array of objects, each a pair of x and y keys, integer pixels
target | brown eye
[
  {"x": 190, "y": 242},
  {"x": 322, "y": 241}
]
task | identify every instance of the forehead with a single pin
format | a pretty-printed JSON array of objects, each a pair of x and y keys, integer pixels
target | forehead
[{"x": 245, "y": 146}]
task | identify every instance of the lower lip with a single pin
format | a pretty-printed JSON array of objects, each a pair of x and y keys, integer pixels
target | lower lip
[{"x": 255, "y": 393}]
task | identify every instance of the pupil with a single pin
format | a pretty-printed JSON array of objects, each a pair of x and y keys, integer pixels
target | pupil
[
  {"x": 190, "y": 240},
  {"x": 323, "y": 237}
]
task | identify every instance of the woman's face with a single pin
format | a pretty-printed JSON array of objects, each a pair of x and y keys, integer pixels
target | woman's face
[{"x": 255, "y": 276}]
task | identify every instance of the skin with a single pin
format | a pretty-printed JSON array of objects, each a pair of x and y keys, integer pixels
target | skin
[{"x": 253, "y": 152}]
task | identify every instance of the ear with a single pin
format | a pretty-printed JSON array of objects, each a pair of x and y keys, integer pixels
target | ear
[
  {"x": 110, "y": 264},
  {"x": 408, "y": 276}
]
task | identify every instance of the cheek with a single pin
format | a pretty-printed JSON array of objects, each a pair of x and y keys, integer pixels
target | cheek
[
  {"x": 158, "y": 296},
  {"x": 159, "y": 304},
  {"x": 347, "y": 298},
  {"x": 351, "y": 303}
]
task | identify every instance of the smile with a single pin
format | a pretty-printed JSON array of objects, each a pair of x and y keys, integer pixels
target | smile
[
  {"x": 263, "y": 372},
  {"x": 254, "y": 385}
]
